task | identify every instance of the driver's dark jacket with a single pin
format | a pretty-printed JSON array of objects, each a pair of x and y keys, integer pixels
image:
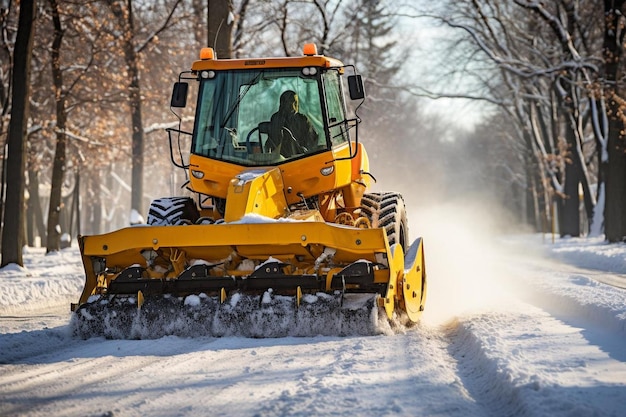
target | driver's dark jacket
[{"x": 283, "y": 125}]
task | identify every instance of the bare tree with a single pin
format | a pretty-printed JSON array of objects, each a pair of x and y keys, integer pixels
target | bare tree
[
  {"x": 58, "y": 170},
  {"x": 132, "y": 47},
  {"x": 13, "y": 230},
  {"x": 220, "y": 24},
  {"x": 614, "y": 167},
  {"x": 544, "y": 56},
  {"x": 7, "y": 25},
  {"x": 565, "y": 25}
]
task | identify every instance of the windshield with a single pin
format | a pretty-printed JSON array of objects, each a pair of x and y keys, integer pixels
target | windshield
[{"x": 259, "y": 117}]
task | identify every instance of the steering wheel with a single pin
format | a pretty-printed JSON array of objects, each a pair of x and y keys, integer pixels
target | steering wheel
[
  {"x": 262, "y": 128},
  {"x": 248, "y": 143}
]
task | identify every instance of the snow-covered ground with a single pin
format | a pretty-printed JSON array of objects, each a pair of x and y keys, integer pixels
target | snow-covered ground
[{"x": 515, "y": 325}]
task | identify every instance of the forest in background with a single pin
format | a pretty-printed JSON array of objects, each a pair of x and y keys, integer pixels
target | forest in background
[
  {"x": 546, "y": 77},
  {"x": 553, "y": 75}
]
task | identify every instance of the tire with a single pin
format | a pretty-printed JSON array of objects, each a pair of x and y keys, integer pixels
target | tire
[
  {"x": 386, "y": 210},
  {"x": 171, "y": 211}
]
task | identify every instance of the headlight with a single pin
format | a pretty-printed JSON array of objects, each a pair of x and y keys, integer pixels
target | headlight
[{"x": 327, "y": 171}]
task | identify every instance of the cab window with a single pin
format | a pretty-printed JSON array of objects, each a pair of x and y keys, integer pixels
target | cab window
[
  {"x": 338, "y": 127},
  {"x": 234, "y": 108}
]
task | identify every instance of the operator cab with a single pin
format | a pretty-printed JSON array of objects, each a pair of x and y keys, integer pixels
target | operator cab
[
  {"x": 239, "y": 100},
  {"x": 235, "y": 109}
]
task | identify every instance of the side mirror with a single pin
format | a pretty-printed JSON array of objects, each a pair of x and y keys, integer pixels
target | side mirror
[
  {"x": 355, "y": 85},
  {"x": 179, "y": 95}
]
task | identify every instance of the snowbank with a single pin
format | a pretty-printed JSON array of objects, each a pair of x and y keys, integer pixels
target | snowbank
[{"x": 45, "y": 280}]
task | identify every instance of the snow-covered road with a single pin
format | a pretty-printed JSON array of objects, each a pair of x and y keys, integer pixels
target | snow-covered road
[{"x": 506, "y": 333}]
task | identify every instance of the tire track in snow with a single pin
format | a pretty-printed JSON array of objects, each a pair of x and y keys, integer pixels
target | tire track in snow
[
  {"x": 62, "y": 376},
  {"x": 579, "y": 299},
  {"x": 552, "y": 344},
  {"x": 429, "y": 351},
  {"x": 575, "y": 294},
  {"x": 329, "y": 374},
  {"x": 203, "y": 374},
  {"x": 481, "y": 374},
  {"x": 44, "y": 386},
  {"x": 525, "y": 362},
  {"x": 349, "y": 377}
]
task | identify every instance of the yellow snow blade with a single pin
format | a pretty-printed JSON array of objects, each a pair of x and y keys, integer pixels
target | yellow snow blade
[
  {"x": 413, "y": 282},
  {"x": 269, "y": 279},
  {"x": 297, "y": 243}
]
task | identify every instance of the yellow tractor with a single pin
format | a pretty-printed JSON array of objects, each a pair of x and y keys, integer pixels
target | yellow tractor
[{"x": 281, "y": 237}]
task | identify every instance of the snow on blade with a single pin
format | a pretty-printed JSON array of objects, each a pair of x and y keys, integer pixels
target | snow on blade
[{"x": 266, "y": 315}]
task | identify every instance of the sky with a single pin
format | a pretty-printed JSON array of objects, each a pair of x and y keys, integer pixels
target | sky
[{"x": 427, "y": 44}]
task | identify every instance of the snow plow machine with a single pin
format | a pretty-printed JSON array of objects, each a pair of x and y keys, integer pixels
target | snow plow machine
[{"x": 278, "y": 236}]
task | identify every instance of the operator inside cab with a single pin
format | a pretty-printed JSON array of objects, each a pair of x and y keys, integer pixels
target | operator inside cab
[{"x": 290, "y": 132}]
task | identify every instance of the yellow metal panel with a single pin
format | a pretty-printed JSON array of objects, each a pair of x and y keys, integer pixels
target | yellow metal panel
[
  {"x": 306, "y": 215},
  {"x": 343, "y": 167},
  {"x": 215, "y": 243},
  {"x": 300, "y": 176},
  {"x": 396, "y": 266},
  {"x": 217, "y": 175},
  {"x": 304, "y": 176},
  {"x": 361, "y": 164},
  {"x": 212, "y": 242},
  {"x": 414, "y": 281},
  {"x": 257, "y": 191}
]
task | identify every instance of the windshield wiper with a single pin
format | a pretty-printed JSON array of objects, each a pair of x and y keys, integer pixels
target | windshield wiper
[{"x": 241, "y": 96}]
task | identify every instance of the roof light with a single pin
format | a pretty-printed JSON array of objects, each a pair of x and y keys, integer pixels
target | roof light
[
  {"x": 207, "y": 53},
  {"x": 309, "y": 49},
  {"x": 207, "y": 74},
  {"x": 309, "y": 71}
]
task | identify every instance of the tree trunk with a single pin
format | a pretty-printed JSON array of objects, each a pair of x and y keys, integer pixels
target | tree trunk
[
  {"x": 94, "y": 211},
  {"x": 220, "y": 27},
  {"x": 532, "y": 201},
  {"x": 76, "y": 200},
  {"x": 240, "y": 28},
  {"x": 136, "y": 199},
  {"x": 53, "y": 240},
  {"x": 30, "y": 213},
  {"x": 134, "y": 92},
  {"x": 3, "y": 184},
  {"x": 569, "y": 219},
  {"x": 615, "y": 208},
  {"x": 134, "y": 101},
  {"x": 13, "y": 230},
  {"x": 34, "y": 206},
  {"x": 199, "y": 30}
]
